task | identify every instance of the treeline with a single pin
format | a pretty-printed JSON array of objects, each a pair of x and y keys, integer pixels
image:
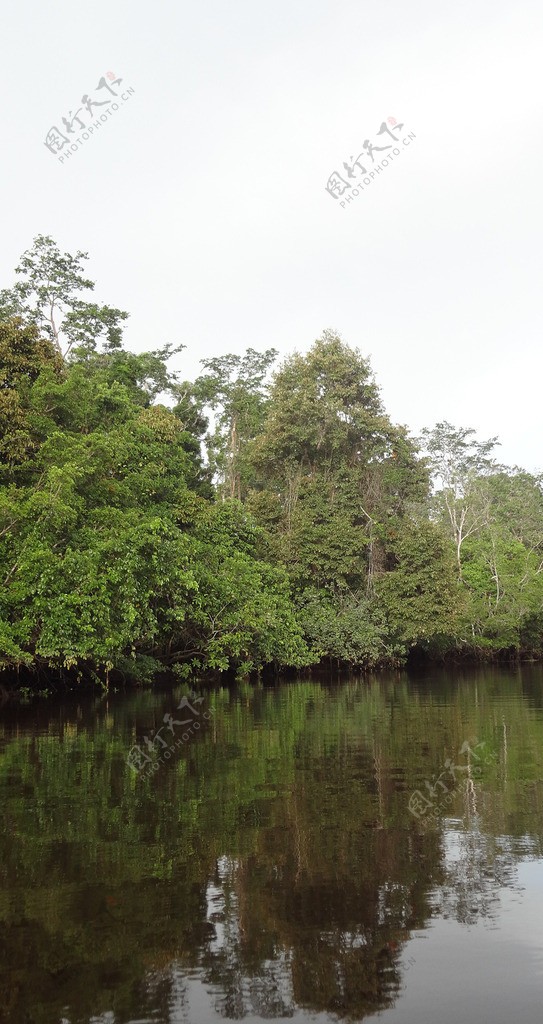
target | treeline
[{"x": 262, "y": 515}]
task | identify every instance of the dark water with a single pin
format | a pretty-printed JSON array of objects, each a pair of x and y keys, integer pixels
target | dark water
[{"x": 271, "y": 866}]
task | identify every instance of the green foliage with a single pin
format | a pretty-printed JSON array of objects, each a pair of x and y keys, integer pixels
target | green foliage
[
  {"x": 49, "y": 287},
  {"x": 495, "y": 519},
  {"x": 503, "y": 566},
  {"x": 309, "y": 534},
  {"x": 111, "y": 557},
  {"x": 234, "y": 390},
  {"x": 25, "y": 360},
  {"x": 242, "y": 614},
  {"x": 459, "y": 464},
  {"x": 333, "y": 476},
  {"x": 420, "y": 594},
  {"x": 346, "y": 628}
]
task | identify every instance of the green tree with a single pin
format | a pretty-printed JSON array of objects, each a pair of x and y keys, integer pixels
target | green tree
[
  {"x": 420, "y": 595},
  {"x": 48, "y": 294},
  {"x": 503, "y": 566},
  {"x": 241, "y": 615},
  {"x": 333, "y": 477},
  {"x": 234, "y": 389},
  {"x": 458, "y": 463},
  {"x": 112, "y": 557},
  {"x": 24, "y": 358}
]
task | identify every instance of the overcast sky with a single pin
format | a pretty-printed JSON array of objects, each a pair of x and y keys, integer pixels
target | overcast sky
[{"x": 202, "y": 200}]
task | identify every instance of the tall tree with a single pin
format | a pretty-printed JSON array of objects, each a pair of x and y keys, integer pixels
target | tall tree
[
  {"x": 334, "y": 478},
  {"x": 503, "y": 563},
  {"x": 25, "y": 357},
  {"x": 332, "y": 466},
  {"x": 48, "y": 294},
  {"x": 235, "y": 390},
  {"x": 458, "y": 463}
]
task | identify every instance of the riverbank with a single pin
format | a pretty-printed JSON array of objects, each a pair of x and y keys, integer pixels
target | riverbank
[{"x": 26, "y": 684}]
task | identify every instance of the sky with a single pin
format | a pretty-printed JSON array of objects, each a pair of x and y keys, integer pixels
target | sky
[{"x": 202, "y": 199}]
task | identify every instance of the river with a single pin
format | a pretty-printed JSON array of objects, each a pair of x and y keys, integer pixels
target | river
[{"x": 339, "y": 850}]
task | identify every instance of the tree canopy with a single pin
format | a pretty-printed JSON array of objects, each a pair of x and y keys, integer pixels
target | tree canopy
[{"x": 253, "y": 517}]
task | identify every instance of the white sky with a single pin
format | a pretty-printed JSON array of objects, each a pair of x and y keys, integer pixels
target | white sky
[{"x": 202, "y": 201}]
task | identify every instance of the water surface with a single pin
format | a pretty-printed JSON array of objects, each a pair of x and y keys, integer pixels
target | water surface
[{"x": 308, "y": 851}]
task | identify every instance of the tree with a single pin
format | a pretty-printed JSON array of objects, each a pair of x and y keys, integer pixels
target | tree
[
  {"x": 25, "y": 358},
  {"x": 331, "y": 468},
  {"x": 311, "y": 534},
  {"x": 48, "y": 295},
  {"x": 235, "y": 390},
  {"x": 112, "y": 557},
  {"x": 503, "y": 564},
  {"x": 458, "y": 462},
  {"x": 94, "y": 552},
  {"x": 241, "y": 615},
  {"x": 420, "y": 595},
  {"x": 334, "y": 480}
]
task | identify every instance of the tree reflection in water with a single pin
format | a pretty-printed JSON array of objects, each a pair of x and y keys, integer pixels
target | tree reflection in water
[{"x": 273, "y": 868}]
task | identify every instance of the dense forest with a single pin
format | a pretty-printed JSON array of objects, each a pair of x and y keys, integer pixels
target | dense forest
[{"x": 263, "y": 515}]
